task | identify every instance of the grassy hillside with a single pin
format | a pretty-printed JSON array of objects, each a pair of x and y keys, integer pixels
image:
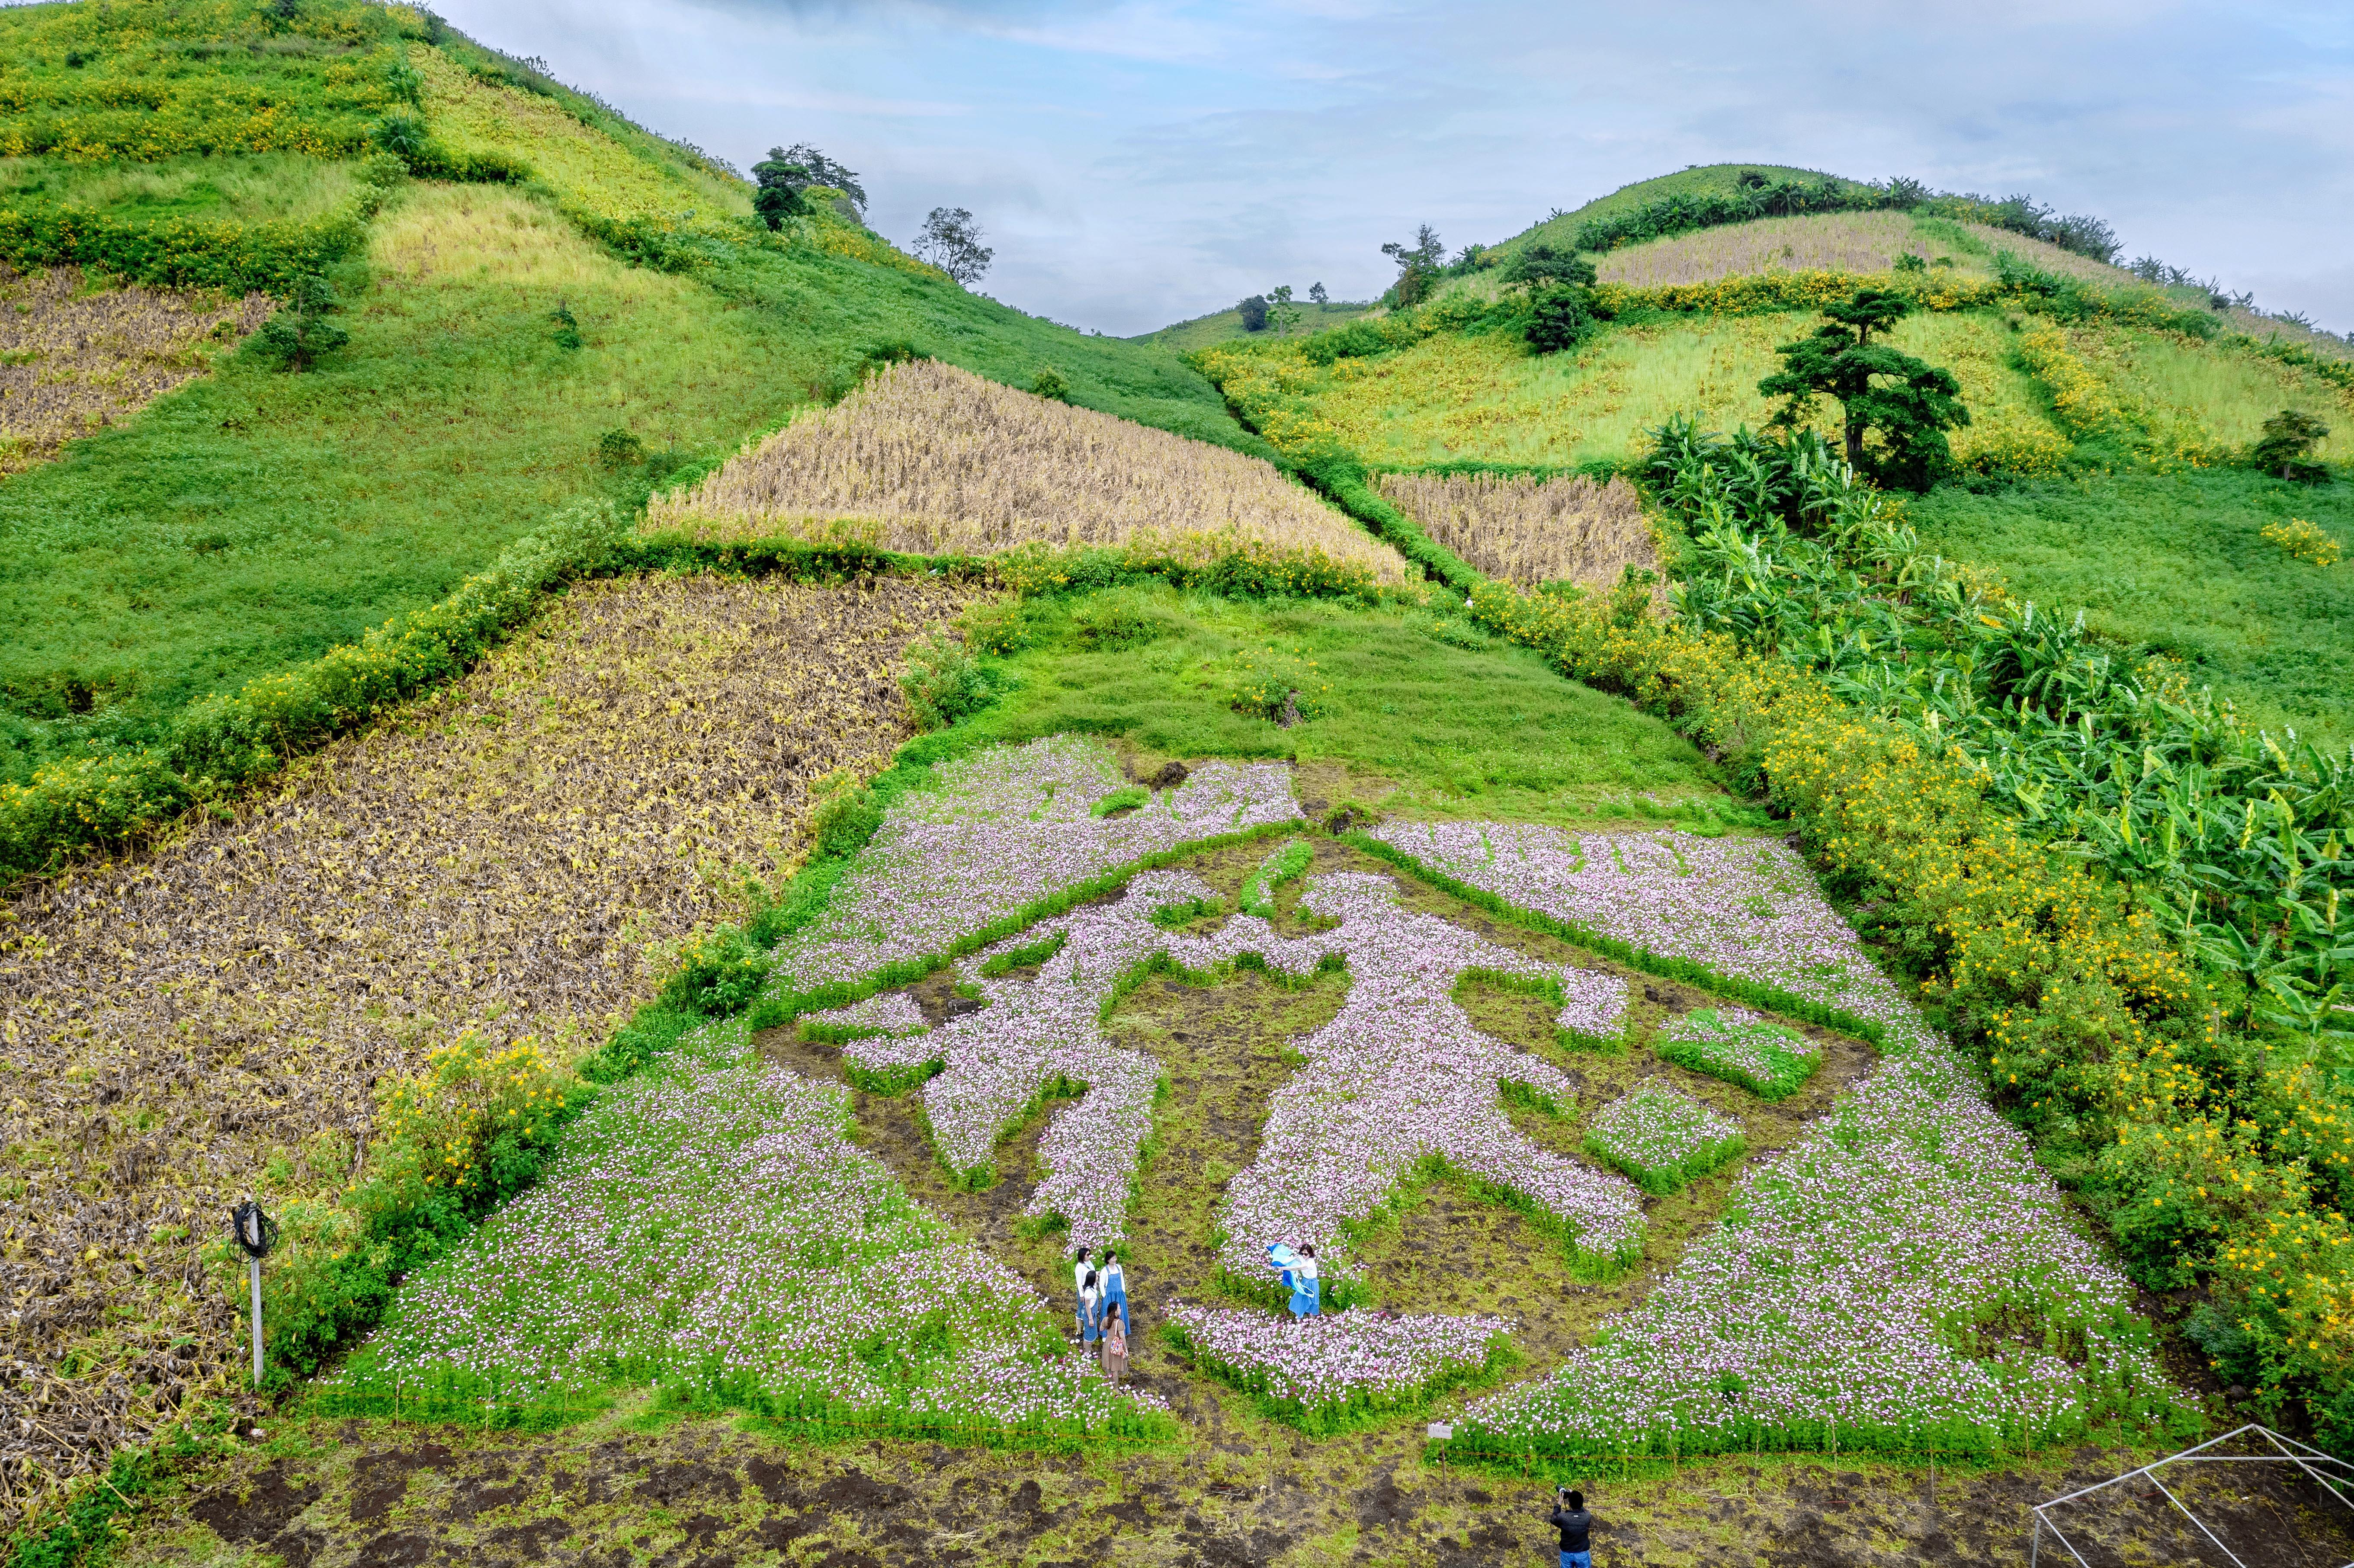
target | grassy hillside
[
  {"x": 1219, "y": 325},
  {"x": 256, "y": 518},
  {"x": 2179, "y": 564}
]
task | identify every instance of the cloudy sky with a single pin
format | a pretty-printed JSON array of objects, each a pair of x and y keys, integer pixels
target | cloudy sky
[{"x": 1139, "y": 162}]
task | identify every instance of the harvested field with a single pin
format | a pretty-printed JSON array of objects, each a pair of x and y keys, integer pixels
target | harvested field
[
  {"x": 512, "y": 857},
  {"x": 1830, "y": 242},
  {"x": 1529, "y": 531},
  {"x": 934, "y": 460},
  {"x": 71, "y": 363}
]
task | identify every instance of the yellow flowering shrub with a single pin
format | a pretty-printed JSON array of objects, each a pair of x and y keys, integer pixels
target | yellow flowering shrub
[{"x": 2302, "y": 540}]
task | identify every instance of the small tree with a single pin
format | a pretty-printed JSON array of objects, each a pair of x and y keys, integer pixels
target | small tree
[
  {"x": 1316, "y": 293},
  {"x": 1417, "y": 265},
  {"x": 1911, "y": 403},
  {"x": 2287, "y": 444},
  {"x": 821, "y": 171},
  {"x": 1541, "y": 264},
  {"x": 1281, "y": 313},
  {"x": 780, "y": 182},
  {"x": 1253, "y": 311},
  {"x": 298, "y": 336},
  {"x": 950, "y": 240},
  {"x": 1558, "y": 319}
]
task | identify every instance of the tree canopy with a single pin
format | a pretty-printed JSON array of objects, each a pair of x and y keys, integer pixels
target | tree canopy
[{"x": 1911, "y": 403}]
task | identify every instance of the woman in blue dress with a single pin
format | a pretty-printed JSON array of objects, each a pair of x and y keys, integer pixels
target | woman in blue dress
[
  {"x": 1307, "y": 1289},
  {"x": 1114, "y": 1284}
]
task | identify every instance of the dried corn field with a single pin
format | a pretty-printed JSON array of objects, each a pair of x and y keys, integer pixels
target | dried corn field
[
  {"x": 71, "y": 363},
  {"x": 1529, "y": 531},
  {"x": 511, "y": 858},
  {"x": 1838, "y": 242},
  {"x": 930, "y": 459}
]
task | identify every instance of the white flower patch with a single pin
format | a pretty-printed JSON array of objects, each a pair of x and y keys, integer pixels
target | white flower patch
[
  {"x": 710, "y": 1216},
  {"x": 1400, "y": 1076},
  {"x": 1662, "y": 1137},
  {"x": 1338, "y": 1359},
  {"x": 889, "y": 1013},
  {"x": 1004, "y": 828},
  {"x": 1825, "y": 1307},
  {"x": 1744, "y": 907},
  {"x": 1043, "y": 1035},
  {"x": 1595, "y": 1007},
  {"x": 1829, "y": 1296}
]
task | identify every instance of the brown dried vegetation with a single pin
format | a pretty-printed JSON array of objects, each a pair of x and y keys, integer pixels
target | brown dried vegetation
[
  {"x": 514, "y": 857},
  {"x": 930, "y": 459},
  {"x": 1531, "y": 531},
  {"x": 71, "y": 363}
]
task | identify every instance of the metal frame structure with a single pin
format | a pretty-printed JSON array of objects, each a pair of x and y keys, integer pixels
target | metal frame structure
[{"x": 2333, "y": 1476}]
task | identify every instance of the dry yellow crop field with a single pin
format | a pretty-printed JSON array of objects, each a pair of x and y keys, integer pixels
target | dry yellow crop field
[
  {"x": 1531, "y": 531},
  {"x": 72, "y": 362},
  {"x": 514, "y": 857},
  {"x": 1829, "y": 242},
  {"x": 933, "y": 459}
]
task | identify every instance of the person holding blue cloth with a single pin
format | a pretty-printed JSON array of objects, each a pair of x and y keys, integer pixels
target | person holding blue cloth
[
  {"x": 1297, "y": 1272},
  {"x": 1307, "y": 1289}
]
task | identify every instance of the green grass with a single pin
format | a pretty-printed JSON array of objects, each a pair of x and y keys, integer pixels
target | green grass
[
  {"x": 2179, "y": 564},
  {"x": 1425, "y": 704},
  {"x": 1455, "y": 397},
  {"x": 253, "y": 520},
  {"x": 1219, "y": 325},
  {"x": 140, "y": 79},
  {"x": 241, "y": 187}
]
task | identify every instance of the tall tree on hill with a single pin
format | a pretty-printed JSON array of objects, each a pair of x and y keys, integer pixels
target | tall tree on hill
[
  {"x": 779, "y": 182},
  {"x": 1417, "y": 265},
  {"x": 1910, "y": 402},
  {"x": 1316, "y": 293},
  {"x": 950, "y": 240},
  {"x": 1253, "y": 311}
]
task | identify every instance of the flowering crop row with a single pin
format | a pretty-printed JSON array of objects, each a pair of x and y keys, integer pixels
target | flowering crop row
[
  {"x": 1662, "y": 1138},
  {"x": 1768, "y": 1060},
  {"x": 1326, "y": 1373},
  {"x": 1831, "y": 1296},
  {"x": 710, "y": 1218},
  {"x": 999, "y": 830}
]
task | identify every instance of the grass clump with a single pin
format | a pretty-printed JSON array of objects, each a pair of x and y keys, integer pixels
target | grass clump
[
  {"x": 1282, "y": 866},
  {"x": 1662, "y": 1139},
  {"x": 1768, "y": 1059}
]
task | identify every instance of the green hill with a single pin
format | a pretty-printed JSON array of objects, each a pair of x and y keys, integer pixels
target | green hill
[
  {"x": 254, "y": 518},
  {"x": 1219, "y": 325}
]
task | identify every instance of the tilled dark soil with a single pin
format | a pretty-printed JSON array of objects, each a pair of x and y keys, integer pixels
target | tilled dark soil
[{"x": 632, "y": 1490}]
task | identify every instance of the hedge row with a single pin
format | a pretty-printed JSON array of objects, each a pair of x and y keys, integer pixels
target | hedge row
[{"x": 186, "y": 252}]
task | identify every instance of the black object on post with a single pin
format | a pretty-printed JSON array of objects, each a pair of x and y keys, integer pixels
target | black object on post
[{"x": 255, "y": 1232}]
